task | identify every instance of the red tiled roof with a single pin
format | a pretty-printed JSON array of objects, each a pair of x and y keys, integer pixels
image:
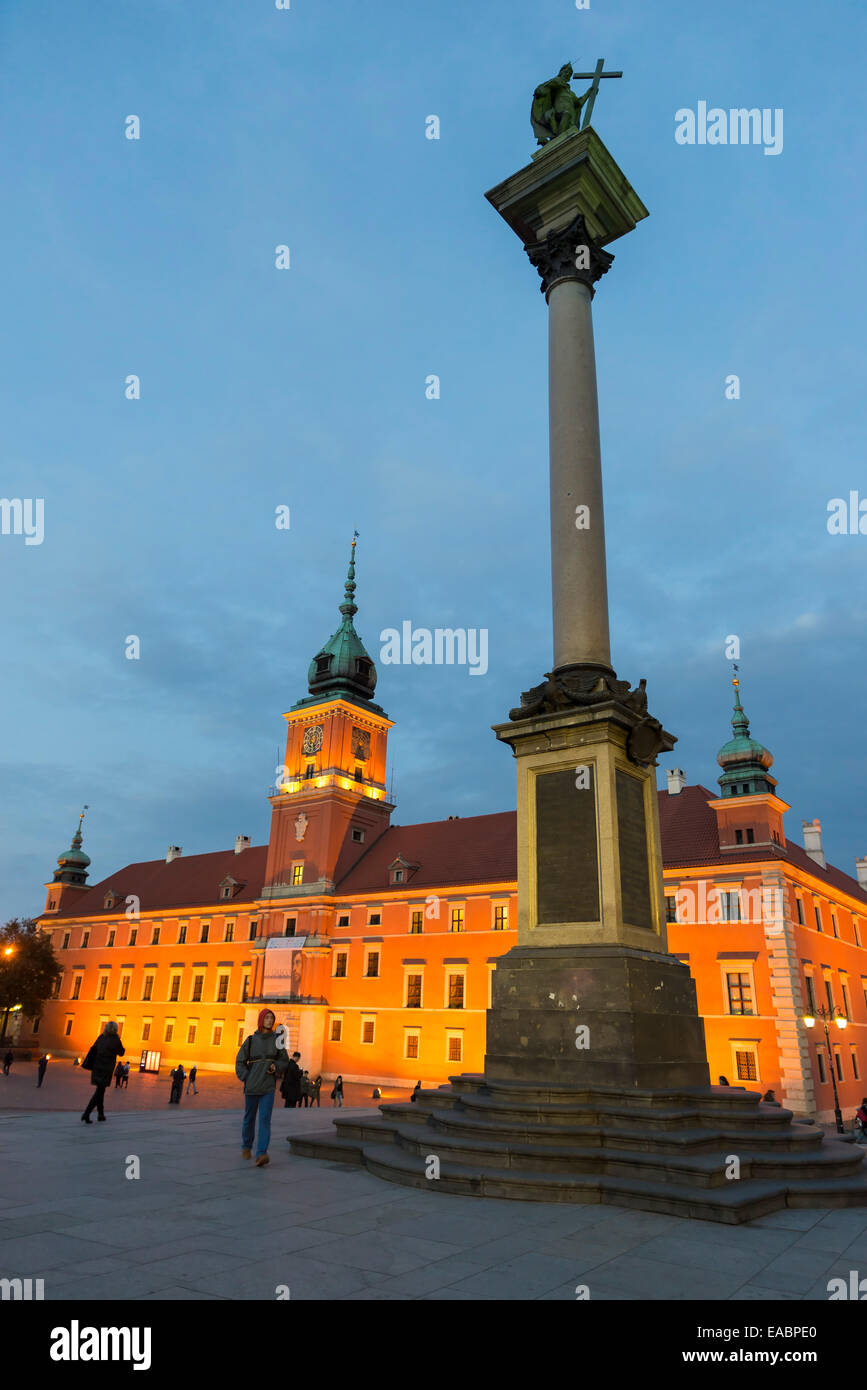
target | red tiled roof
[
  {"x": 471, "y": 849},
  {"x": 191, "y": 882}
]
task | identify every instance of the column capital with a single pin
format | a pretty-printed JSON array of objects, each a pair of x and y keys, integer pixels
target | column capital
[{"x": 569, "y": 253}]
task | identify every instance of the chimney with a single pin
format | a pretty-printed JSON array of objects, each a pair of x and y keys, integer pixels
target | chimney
[
  {"x": 861, "y": 871},
  {"x": 174, "y": 852},
  {"x": 813, "y": 841},
  {"x": 242, "y": 842},
  {"x": 676, "y": 780}
]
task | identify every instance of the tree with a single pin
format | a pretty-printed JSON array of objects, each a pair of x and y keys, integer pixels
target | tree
[{"x": 28, "y": 968}]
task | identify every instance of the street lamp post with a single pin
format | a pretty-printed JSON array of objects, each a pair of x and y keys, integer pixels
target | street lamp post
[
  {"x": 7, "y": 952},
  {"x": 829, "y": 1016}
]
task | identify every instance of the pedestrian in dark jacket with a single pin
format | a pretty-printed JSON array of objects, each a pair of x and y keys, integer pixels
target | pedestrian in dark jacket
[
  {"x": 178, "y": 1077},
  {"x": 118, "y": 1074},
  {"x": 42, "y": 1068},
  {"x": 100, "y": 1062},
  {"x": 414, "y": 1094},
  {"x": 337, "y": 1092},
  {"x": 260, "y": 1060},
  {"x": 314, "y": 1094},
  {"x": 191, "y": 1083},
  {"x": 306, "y": 1089},
  {"x": 290, "y": 1086},
  {"x": 7, "y": 1062},
  {"x": 124, "y": 1080}
]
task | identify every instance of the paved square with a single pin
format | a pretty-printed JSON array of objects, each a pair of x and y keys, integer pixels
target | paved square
[{"x": 202, "y": 1223}]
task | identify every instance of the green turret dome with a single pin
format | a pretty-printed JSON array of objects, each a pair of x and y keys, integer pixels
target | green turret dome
[
  {"x": 343, "y": 668},
  {"x": 73, "y": 862},
  {"x": 744, "y": 761}
]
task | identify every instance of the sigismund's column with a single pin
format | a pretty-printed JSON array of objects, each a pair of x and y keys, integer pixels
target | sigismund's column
[{"x": 592, "y": 950}]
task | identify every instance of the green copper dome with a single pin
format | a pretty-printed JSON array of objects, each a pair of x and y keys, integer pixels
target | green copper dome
[
  {"x": 343, "y": 668},
  {"x": 73, "y": 862},
  {"x": 744, "y": 760}
]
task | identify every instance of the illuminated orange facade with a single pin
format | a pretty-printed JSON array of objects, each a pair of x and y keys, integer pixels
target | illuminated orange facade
[{"x": 375, "y": 943}]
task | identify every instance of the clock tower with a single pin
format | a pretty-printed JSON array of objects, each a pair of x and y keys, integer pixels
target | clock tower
[{"x": 330, "y": 804}]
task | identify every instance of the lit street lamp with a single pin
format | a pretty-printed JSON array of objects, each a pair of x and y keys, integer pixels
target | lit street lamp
[{"x": 830, "y": 1016}]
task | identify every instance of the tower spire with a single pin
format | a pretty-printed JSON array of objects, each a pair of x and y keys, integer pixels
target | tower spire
[
  {"x": 72, "y": 865},
  {"x": 342, "y": 668},
  {"x": 744, "y": 761}
]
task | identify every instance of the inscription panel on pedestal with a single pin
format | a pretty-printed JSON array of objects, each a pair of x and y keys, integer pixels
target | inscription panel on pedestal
[
  {"x": 567, "y": 858},
  {"x": 632, "y": 838}
]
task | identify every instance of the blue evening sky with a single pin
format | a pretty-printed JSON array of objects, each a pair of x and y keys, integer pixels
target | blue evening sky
[{"x": 306, "y": 387}]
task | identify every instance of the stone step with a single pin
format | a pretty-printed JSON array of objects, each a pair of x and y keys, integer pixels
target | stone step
[
  {"x": 465, "y": 1121},
  {"x": 702, "y": 1170},
  {"x": 325, "y": 1145},
  {"x": 768, "y": 1120},
  {"x": 707, "y": 1098},
  {"x": 751, "y": 1200}
]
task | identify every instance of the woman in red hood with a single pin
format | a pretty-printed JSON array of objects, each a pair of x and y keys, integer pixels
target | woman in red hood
[{"x": 261, "y": 1059}]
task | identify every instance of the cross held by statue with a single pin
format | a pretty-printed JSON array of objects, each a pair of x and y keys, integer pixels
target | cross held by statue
[{"x": 596, "y": 75}]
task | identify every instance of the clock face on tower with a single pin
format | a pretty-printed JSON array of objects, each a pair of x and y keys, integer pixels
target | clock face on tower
[
  {"x": 361, "y": 744},
  {"x": 312, "y": 739}
]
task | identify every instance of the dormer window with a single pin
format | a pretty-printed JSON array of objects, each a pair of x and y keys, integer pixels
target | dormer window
[
  {"x": 228, "y": 888},
  {"x": 397, "y": 876},
  {"x": 323, "y": 664},
  {"x": 400, "y": 870},
  {"x": 362, "y": 668},
  {"x": 358, "y": 837},
  {"x": 227, "y": 892},
  {"x": 109, "y": 900}
]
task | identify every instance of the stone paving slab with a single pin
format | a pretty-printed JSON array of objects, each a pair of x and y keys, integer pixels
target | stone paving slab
[{"x": 202, "y": 1223}]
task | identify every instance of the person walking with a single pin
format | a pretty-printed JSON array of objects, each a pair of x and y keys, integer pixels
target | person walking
[
  {"x": 306, "y": 1089},
  {"x": 100, "y": 1062},
  {"x": 861, "y": 1122},
  {"x": 290, "y": 1086},
  {"x": 178, "y": 1077},
  {"x": 337, "y": 1092},
  {"x": 124, "y": 1080},
  {"x": 42, "y": 1068},
  {"x": 258, "y": 1064},
  {"x": 118, "y": 1074},
  {"x": 7, "y": 1062},
  {"x": 314, "y": 1094},
  {"x": 191, "y": 1084}
]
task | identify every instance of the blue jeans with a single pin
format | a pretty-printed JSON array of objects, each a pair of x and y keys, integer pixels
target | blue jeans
[{"x": 264, "y": 1105}]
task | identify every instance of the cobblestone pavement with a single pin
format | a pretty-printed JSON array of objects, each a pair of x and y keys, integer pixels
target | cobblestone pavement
[
  {"x": 68, "y": 1088},
  {"x": 200, "y": 1222}
]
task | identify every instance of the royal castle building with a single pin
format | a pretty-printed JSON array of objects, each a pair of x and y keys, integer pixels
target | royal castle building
[{"x": 375, "y": 943}]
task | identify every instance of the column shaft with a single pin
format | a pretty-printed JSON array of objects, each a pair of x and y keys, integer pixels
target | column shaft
[{"x": 579, "y": 583}]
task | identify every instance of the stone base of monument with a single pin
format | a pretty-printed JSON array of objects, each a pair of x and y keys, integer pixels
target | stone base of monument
[{"x": 664, "y": 1150}]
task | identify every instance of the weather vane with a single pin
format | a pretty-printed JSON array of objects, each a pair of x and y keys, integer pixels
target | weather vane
[{"x": 556, "y": 108}]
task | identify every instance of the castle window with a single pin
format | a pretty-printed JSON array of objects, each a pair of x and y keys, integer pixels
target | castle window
[
  {"x": 133, "y": 935},
  {"x": 368, "y": 1029},
  {"x": 416, "y": 923},
  {"x": 230, "y": 931},
  {"x": 829, "y": 994},
  {"x": 398, "y": 876},
  {"x": 308, "y": 771},
  {"x": 76, "y": 986},
  {"x": 245, "y": 989},
  {"x": 454, "y": 1047},
  {"x": 835, "y": 929},
  {"x": 670, "y": 907},
  {"x": 297, "y": 874},
  {"x": 500, "y": 918},
  {"x": 336, "y": 1032},
  {"x": 457, "y": 919},
  {"x": 838, "y": 1064},
  {"x": 322, "y": 665},
  {"x": 413, "y": 991},
  {"x": 820, "y": 1058},
  {"x": 856, "y": 931},
  {"x": 751, "y": 839},
  {"x": 372, "y": 965},
  {"x": 799, "y": 908},
  {"x": 845, "y": 992},
  {"x": 362, "y": 668},
  {"x": 68, "y": 1029},
  {"x": 254, "y": 927},
  {"x": 739, "y": 837},
  {"x": 739, "y": 986},
  {"x": 65, "y": 945},
  {"x": 818, "y": 914},
  {"x": 811, "y": 995},
  {"x": 155, "y": 939},
  {"x": 227, "y": 891},
  {"x": 170, "y": 1030},
  {"x": 191, "y": 1031},
  {"x": 343, "y": 921},
  {"x": 206, "y": 932},
  {"x": 123, "y": 992},
  {"x": 340, "y": 965},
  {"x": 198, "y": 985},
  {"x": 358, "y": 836},
  {"x": 217, "y": 1034},
  {"x": 147, "y": 987},
  {"x": 374, "y": 919},
  {"x": 855, "y": 1072},
  {"x": 222, "y": 989},
  {"x": 146, "y": 1029},
  {"x": 411, "y": 1044},
  {"x": 289, "y": 927},
  {"x": 456, "y": 991},
  {"x": 103, "y": 986},
  {"x": 745, "y": 1064},
  {"x": 182, "y": 933},
  {"x": 85, "y": 938},
  {"x": 175, "y": 989},
  {"x": 111, "y": 935}
]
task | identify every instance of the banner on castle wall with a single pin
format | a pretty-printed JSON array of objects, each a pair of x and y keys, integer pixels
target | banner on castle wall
[{"x": 283, "y": 966}]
